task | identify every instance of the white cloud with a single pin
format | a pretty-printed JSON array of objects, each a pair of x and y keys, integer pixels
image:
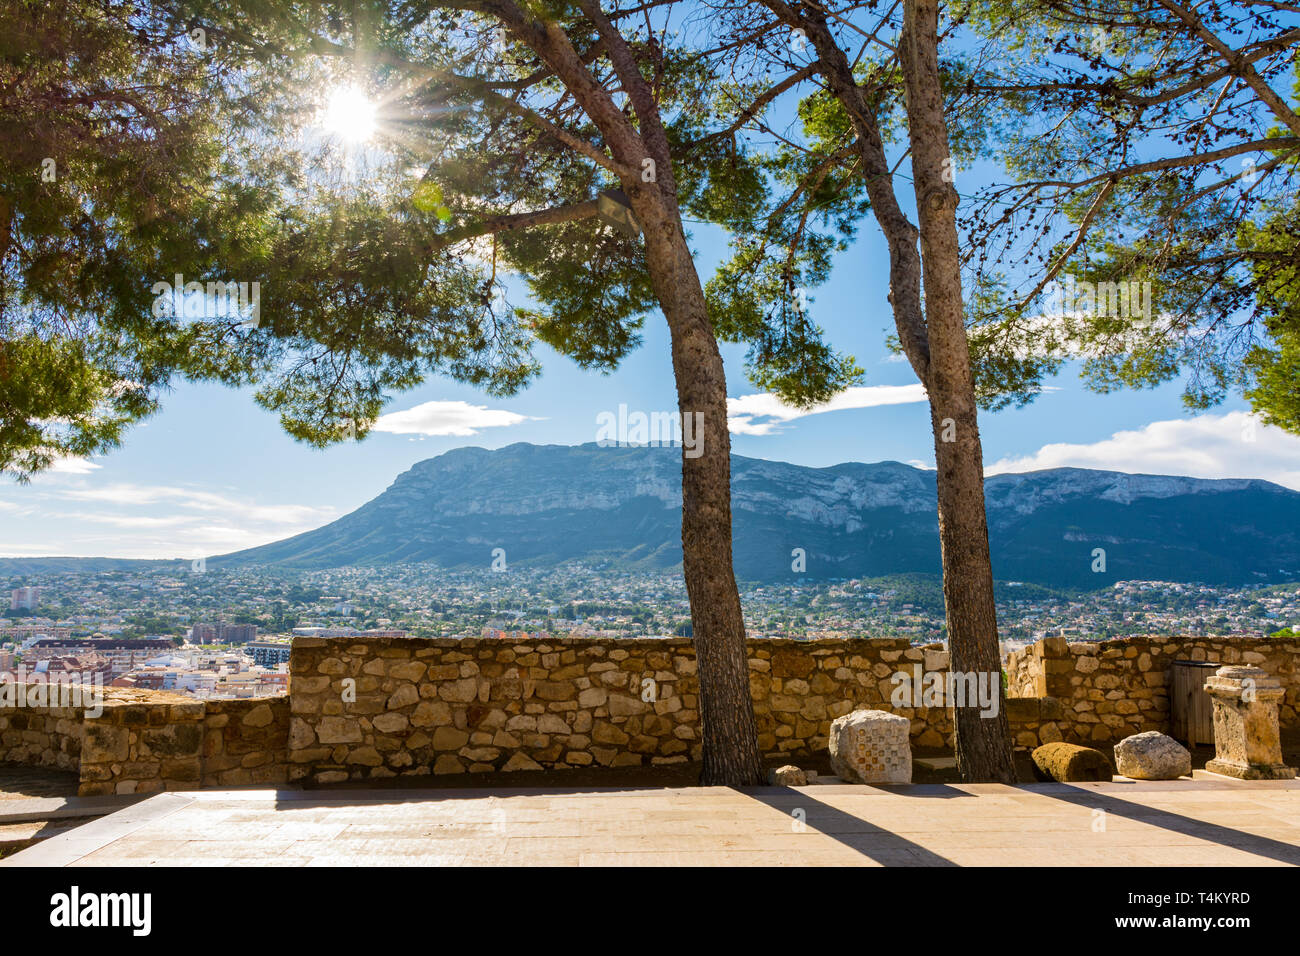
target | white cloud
[
  {"x": 447, "y": 418},
  {"x": 126, "y": 521},
  {"x": 181, "y": 542},
  {"x": 1206, "y": 446},
  {"x": 744, "y": 413},
  {"x": 10, "y": 550},
  {"x": 131, "y": 495},
  {"x": 153, "y": 521},
  {"x": 66, "y": 465}
]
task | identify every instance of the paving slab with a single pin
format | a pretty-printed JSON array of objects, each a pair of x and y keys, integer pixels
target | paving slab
[
  {"x": 32, "y": 809},
  {"x": 1189, "y": 822}
]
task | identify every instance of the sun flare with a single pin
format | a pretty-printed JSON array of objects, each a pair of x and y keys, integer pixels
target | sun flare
[{"x": 350, "y": 114}]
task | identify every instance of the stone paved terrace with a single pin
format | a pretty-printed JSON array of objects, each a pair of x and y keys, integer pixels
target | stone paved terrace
[{"x": 1207, "y": 820}]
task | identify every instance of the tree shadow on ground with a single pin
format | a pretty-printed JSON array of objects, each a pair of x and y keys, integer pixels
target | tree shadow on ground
[
  {"x": 1261, "y": 846},
  {"x": 872, "y": 841}
]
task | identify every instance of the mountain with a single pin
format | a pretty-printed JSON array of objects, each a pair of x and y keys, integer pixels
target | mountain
[{"x": 553, "y": 503}]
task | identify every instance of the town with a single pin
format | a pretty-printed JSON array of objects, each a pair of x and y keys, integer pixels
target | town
[{"x": 227, "y": 633}]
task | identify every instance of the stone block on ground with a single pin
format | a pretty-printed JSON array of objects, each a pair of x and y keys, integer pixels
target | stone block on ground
[
  {"x": 871, "y": 746},
  {"x": 787, "y": 776},
  {"x": 1152, "y": 756},
  {"x": 1070, "y": 763}
]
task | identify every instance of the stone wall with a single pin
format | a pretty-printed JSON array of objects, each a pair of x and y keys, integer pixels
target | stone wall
[
  {"x": 380, "y": 707},
  {"x": 1103, "y": 692},
  {"x": 1034, "y": 721},
  {"x": 41, "y": 736},
  {"x": 245, "y": 742},
  {"x": 147, "y": 741},
  {"x": 143, "y": 745}
]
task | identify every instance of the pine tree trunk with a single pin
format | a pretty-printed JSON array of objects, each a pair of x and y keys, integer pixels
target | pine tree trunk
[
  {"x": 934, "y": 340},
  {"x": 983, "y": 743},
  {"x": 730, "y": 735}
]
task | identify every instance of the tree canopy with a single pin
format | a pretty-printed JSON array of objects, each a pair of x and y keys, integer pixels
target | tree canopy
[
  {"x": 184, "y": 140},
  {"x": 1155, "y": 159}
]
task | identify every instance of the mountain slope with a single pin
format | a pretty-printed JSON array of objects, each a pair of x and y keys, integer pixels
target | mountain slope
[{"x": 553, "y": 503}]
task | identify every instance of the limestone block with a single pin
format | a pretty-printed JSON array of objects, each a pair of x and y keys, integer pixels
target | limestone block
[
  {"x": 404, "y": 696},
  {"x": 1067, "y": 763},
  {"x": 104, "y": 742},
  {"x": 338, "y": 730},
  {"x": 259, "y": 716},
  {"x": 449, "y": 738},
  {"x": 521, "y": 761},
  {"x": 390, "y": 723},
  {"x": 871, "y": 746},
  {"x": 1152, "y": 756},
  {"x": 787, "y": 776},
  {"x": 1246, "y": 740}
]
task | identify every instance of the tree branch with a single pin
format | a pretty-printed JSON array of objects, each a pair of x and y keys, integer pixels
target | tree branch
[
  {"x": 1079, "y": 236},
  {"x": 1238, "y": 65},
  {"x": 513, "y": 221}
]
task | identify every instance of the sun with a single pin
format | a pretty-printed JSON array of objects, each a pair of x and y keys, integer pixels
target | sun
[{"x": 350, "y": 114}]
